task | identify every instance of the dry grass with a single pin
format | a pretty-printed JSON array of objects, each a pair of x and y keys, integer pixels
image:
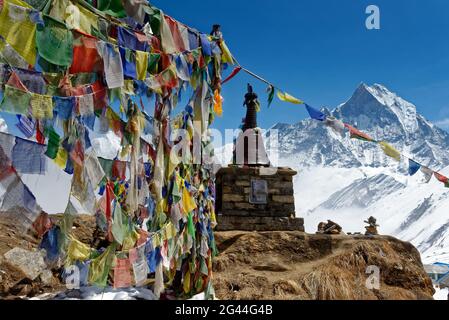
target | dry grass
[{"x": 290, "y": 265}]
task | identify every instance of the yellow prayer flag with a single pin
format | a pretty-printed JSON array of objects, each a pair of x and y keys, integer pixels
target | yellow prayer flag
[
  {"x": 18, "y": 30},
  {"x": 169, "y": 231},
  {"x": 226, "y": 56},
  {"x": 156, "y": 239},
  {"x": 61, "y": 158},
  {"x": 188, "y": 203},
  {"x": 130, "y": 240},
  {"x": 284, "y": 96},
  {"x": 41, "y": 106},
  {"x": 128, "y": 88},
  {"x": 142, "y": 64},
  {"x": 77, "y": 251},
  {"x": 186, "y": 284},
  {"x": 99, "y": 268},
  {"x": 390, "y": 151}
]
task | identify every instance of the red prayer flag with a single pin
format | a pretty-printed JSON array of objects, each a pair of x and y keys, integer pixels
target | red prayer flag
[
  {"x": 119, "y": 170},
  {"x": 357, "y": 134},
  {"x": 232, "y": 75},
  {"x": 85, "y": 55},
  {"x": 122, "y": 274},
  {"x": 176, "y": 33},
  {"x": 42, "y": 224},
  {"x": 39, "y": 136},
  {"x": 441, "y": 178}
]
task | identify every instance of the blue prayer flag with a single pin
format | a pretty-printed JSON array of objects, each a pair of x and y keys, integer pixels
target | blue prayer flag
[
  {"x": 413, "y": 167},
  {"x": 315, "y": 114}
]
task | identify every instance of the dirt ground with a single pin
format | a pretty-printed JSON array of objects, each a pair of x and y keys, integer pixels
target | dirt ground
[{"x": 294, "y": 265}]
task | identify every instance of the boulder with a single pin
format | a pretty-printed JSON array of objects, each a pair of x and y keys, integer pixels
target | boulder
[
  {"x": 31, "y": 263},
  {"x": 47, "y": 278}
]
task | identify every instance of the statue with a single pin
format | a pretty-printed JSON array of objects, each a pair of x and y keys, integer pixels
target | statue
[
  {"x": 371, "y": 229},
  {"x": 252, "y": 108},
  {"x": 249, "y": 148},
  {"x": 216, "y": 32}
]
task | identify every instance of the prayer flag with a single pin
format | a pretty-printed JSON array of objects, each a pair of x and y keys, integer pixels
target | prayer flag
[
  {"x": 100, "y": 267},
  {"x": 390, "y": 151},
  {"x": 26, "y": 126},
  {"x": 357, "y": 134},
  {"x": 413, "y": 167},
  {"x": 336, "y": 125},
  {"x": 55, "y": 42},
  {"x": 28, "y": 157},
  {"x": 428, "y": 173},
  {"x": 118, "y": 228},
  {"x": 15, "y": 101},
  {"x": 18, "y": 30},
  {"x": 41, "y": 106},
  {"x": 232, "y": 75},
  {"x": 283, "y": 96},
  {"x": 122, "y": 274},
  {"x": 442, "y": 179},
  {"x": 271, "y": 92},
  {"x": 315, "y": 114},
  {"x": 53, "y": 144}
]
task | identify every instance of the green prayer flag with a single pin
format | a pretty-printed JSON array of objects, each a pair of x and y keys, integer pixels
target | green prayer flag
[
  {"x": 118, "y": 228},
  {"x": 190, "y": 225},
  {"x": 153, "y": 62},
  {"x": 155, "y": 18},
  {"x": 270, "y": 91},
  {"x": 112, "y": 7},
  {"x": 53, "y": 143},
  {"x": 54, "y": 42},
  {"x": 15, "y": 101},
  {"x": 100, "y": 267}
]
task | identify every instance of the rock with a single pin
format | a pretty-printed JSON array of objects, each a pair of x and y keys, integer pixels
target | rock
[
  {"x": 233, "y": 198},
  {"x": 32, "y": 264},
  {"x": 47, "y": 278},
  {"x": 284, "y": 199}
]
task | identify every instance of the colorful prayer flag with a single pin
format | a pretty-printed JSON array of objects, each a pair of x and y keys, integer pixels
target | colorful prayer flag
[
  {"x": 315, "y": 114},
  {"x": 390, "y": 151},
  {"x": 336, "y": 125},
  {"x": 284, "y": 96},
  {"x": 428, "y": 173},
  {"x": 357, "y": 134},
  {"x": 442, "y": 179},
  {"x": 271, "y": 92},
  {"x": 26, "y": 126},
  {"x": 413, "y": 167},
  {"x": 232, "y": 75}
]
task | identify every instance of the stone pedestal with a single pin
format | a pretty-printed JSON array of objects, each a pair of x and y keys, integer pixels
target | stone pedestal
[{"x": 256, "y": 199}]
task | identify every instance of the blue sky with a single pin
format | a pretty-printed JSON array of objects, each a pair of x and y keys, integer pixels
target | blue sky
[{"x": 321, "y": 50}]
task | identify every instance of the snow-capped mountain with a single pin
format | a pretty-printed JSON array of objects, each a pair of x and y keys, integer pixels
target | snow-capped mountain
[
  {"x": 348, "y": 180},
  {"x": 381, "y": 114}
]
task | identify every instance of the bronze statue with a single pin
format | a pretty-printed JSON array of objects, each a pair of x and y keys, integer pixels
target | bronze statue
[
  {"x": 252, "y": 107},
  {"x": 216, "y": 32},
  {"x": 249, "y": 148}
]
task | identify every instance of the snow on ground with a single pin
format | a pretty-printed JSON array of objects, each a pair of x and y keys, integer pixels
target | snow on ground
[
  {"x": 107, "y": 294},
  {"x": 3, "y": 125},
  {"x": 441, "y": 294}
]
